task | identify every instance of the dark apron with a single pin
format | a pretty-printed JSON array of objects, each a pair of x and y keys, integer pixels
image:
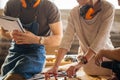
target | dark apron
[{"x": 27, "y": 59}]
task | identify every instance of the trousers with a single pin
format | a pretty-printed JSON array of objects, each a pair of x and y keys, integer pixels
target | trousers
[{"x": 114, "y": 66}]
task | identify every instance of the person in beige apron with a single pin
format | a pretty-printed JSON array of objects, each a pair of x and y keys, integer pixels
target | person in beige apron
[{"x": 91, "y": 22}]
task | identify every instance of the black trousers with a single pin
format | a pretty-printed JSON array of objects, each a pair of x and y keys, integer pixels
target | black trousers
[{"x": 114, "y": 66}]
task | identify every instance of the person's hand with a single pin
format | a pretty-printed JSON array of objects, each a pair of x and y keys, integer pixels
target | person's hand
[
  {"x": 71, "y": 71},
  {"x": 24, "y": 38},
  {"x": 99, "y": 58},
  {"x": 4, "y": 33},
  {"x": 53, "y": 71}
]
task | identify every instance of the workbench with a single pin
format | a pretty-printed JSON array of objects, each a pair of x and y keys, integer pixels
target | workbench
[{"x": 80, "y": 74}]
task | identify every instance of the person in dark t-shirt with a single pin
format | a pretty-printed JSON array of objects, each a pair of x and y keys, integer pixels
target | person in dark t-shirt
[{"x": 26, "y": 55}]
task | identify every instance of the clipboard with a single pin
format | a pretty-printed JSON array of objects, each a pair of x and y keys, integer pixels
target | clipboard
[{"x": 10, "y": 23}]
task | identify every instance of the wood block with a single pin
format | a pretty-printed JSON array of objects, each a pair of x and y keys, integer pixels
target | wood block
[{"x": 51, "y": 50}]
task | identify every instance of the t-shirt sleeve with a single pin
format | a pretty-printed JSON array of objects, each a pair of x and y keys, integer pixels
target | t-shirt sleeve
[
  {"x": 7, "y": 9},
  {"x": 52, "y": 13},
  {"x": 12, "y": 8}
]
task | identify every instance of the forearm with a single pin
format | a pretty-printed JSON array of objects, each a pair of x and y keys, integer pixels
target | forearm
[
  {"x": 112, "y": 54},
  {"x": 60, "y": 56},
  {"x": 53, "y": 40},
  {"x": 57, "y": 34}
]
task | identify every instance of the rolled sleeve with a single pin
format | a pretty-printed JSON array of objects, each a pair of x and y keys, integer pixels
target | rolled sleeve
[{"x": 68, "y": 35}]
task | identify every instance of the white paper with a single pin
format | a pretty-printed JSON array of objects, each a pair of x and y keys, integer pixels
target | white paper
[{"x": 10, "y": 24}]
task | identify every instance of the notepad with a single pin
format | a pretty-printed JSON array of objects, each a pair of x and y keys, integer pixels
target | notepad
[{"x": 10, "y": 23}]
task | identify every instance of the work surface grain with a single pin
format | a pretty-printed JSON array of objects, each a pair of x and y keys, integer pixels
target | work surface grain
[{"x": 80, "y": 75}]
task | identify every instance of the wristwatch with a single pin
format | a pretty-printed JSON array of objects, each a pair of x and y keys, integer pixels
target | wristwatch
[{"x": 41, "y": 41}]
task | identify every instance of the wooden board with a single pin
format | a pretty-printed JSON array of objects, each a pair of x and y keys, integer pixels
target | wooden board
[
  {"x": 51, "y": 50},
  {"x": 51, "y": 60}
]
